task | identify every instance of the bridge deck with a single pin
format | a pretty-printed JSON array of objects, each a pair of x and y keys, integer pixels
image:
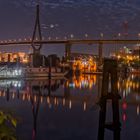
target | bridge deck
[{"x": 90, "y": 42}]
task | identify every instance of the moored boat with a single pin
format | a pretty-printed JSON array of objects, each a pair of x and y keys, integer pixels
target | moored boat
[{"x": 32, "y": 73}]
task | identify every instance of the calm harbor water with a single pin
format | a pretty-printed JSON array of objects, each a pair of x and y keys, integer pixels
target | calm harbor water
[{"x": 68, "y": 109}]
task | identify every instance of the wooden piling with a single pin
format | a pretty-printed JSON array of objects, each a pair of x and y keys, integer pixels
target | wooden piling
[{"x": 109, "y": 93}]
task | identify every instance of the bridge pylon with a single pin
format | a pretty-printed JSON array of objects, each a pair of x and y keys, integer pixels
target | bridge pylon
[
  {"x": 37, "y": 30},
  {"x": 36, "y": 60}
]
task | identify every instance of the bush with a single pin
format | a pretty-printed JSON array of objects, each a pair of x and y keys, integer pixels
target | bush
[{"x": 7, "y": 126}]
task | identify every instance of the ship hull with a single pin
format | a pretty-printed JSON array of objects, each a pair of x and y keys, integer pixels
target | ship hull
[{"x": 34, "y": 73}]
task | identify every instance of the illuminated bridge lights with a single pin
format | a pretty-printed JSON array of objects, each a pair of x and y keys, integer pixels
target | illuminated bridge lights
[{"x": 69, "y": 40}]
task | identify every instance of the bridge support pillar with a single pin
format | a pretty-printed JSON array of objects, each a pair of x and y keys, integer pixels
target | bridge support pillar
[
  {"x": 100, "y": 53},
  {"x": 36, "y": 51},
  {"x": 36, "y": 58},
  {"x": 67, "y": 52}
]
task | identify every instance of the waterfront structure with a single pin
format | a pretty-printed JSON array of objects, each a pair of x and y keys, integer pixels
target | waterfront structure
[
  {"x": 128, "y": 57},
  {"x": 85, "y": 63},
  {"x": 128, "y": 54},
  {"x": 14, "y": 57}
]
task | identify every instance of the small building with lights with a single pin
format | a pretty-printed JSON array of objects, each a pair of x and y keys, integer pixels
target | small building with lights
[
  {"x": 85, "y": 63},
  {"x": 14, "y": 57},
  {"x": 129, "y": 58}
]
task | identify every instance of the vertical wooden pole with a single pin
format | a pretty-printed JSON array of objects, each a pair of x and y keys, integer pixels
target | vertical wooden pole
[{"x": 109, "y": 76}]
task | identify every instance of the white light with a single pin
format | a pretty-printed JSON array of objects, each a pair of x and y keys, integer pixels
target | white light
[
  {"x": 86, "y": 35},
  {"x": 20, "y": 71},
  {"x": 119, "y": 34},
  {"x": 102, "y": 35},
  {"x": 72, "y": 36},
  {"x": 19, "y": 84},
  {"x": 49, "y": 38},
  {"x": 51, "y": 26},
  {"x": 16, "y": 72}
]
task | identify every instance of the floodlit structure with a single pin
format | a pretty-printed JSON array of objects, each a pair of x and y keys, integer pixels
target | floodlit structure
[
  {"x": 86, "y": 63},
  {"x": 14, "y": 57}
]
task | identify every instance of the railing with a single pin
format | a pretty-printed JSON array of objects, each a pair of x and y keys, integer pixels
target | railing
[{"x": 10, "y": 73}]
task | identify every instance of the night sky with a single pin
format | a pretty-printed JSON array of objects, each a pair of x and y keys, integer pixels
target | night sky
[{"x": 60, "y": 18}]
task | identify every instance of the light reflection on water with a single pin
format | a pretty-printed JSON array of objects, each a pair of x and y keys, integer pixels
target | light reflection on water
[{"x": 52, "y": 97}]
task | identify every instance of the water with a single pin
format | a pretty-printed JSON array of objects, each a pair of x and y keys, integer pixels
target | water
[{"x": 67, "y": 109}]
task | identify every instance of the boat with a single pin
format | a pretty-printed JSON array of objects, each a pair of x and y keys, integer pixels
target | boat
[
  {"x": 32, "y": 73},
  {"x": 53, "y": 72}
]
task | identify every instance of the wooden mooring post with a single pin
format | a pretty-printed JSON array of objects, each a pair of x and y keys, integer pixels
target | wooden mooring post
[{"x": 109, "y": 92}]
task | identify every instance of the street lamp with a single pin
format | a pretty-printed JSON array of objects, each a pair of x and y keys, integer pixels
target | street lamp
[
  {"x": 72, "y": 36},
  {"x": 119, "y": 35},
  {"x": 86, "y": 35},
  {"x": 101, "y": 35},
  {"x": 49, "y": 38}
]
